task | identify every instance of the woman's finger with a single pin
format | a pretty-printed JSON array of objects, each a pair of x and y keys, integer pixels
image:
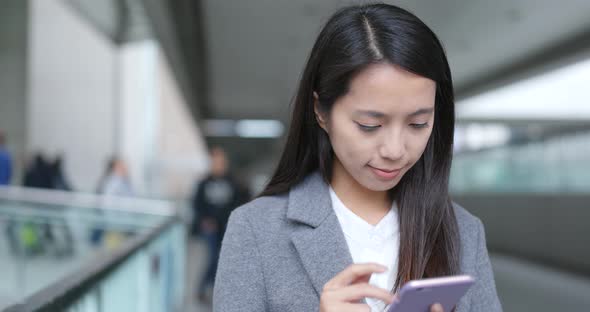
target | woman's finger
[
  {"x": 362, "y": 279},
  {"x": 353, "y": 273},
  {"x": 356, "y": 307},
  {"x": 436, "y": 308},
  {"x": 357, "y": 292}
]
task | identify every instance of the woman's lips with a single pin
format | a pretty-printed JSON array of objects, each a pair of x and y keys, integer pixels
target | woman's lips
[{"x": 385, "y": 174}]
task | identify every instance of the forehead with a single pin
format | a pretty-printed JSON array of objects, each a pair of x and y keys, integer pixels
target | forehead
[{"x": 388, "y": 87}]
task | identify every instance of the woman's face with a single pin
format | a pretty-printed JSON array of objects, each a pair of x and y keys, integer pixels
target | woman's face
[{"x": 379, "y": 129}]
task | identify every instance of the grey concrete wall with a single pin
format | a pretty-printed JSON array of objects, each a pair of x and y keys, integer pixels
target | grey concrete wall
[
  {"x": 539, "y": 248},
  {"x": 553, "y": 230},
  {"x": 13, "y": 76},
  {"x": 72, "y": 94},
  {"x": 89, "y": 99}
]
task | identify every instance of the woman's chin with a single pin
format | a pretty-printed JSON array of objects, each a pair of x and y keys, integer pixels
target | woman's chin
[{"x": 376, "y": 185}]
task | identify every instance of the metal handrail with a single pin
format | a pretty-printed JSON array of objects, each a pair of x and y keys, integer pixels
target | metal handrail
[
  {"x": 63, "y": 293},
  {"x": 87, "y": 200}
]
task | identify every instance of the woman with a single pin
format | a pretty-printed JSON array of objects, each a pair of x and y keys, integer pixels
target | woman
[
  {"x": 115, "y": 180},
  {"x": 359, "y": 202}
]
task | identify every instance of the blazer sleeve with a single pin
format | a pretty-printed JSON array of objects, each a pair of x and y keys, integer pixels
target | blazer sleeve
[
  {"x": 485, "y": 297},
  {"x": 239, "y": 283}
]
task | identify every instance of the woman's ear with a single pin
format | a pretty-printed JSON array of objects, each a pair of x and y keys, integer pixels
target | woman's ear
[{"x": 319, "y": 116}]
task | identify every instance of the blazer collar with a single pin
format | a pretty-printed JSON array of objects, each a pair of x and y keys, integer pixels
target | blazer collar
[
  {"x": 309, "y": 201},
  {"x": 319, "y": 240}
]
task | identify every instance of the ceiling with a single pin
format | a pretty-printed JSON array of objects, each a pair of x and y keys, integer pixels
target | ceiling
[
  {"x": 256, "y": 49},
  {"x": 242, "y": 59},
  {"x": 120, "y": 20}
]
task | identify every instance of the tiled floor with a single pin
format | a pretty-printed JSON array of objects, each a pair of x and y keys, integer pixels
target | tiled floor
[
  {"x": 526, "y": 286},
  {"x": 196, "y": 256}
]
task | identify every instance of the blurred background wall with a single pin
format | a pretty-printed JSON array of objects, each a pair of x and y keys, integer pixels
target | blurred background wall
[{"x": 70, "y": 90}]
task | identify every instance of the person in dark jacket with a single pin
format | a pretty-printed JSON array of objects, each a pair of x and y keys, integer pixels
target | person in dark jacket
[
  {"x": 38, "y": 173},
  {"x": 214, "y": 199},
  {"x": 58, "y": 177}
]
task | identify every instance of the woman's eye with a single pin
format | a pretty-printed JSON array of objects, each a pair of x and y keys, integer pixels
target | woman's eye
[
  {"x": 368, "y": 128},
  {"x": 419, "y": 126}
]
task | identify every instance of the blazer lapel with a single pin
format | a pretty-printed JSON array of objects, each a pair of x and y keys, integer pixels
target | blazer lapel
[{"x": 318, "y": 238}]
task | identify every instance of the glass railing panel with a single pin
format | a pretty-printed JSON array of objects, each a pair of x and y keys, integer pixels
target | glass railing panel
[
  {"x": 556, "y": 165},
  {"x": 47, "y": 236}
]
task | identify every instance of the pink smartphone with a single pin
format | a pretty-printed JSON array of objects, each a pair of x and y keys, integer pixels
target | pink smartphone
[{"x": 419, "y": 295}]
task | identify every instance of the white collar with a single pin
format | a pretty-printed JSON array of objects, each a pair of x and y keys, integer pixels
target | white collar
[{"x": 360, "y": 230}]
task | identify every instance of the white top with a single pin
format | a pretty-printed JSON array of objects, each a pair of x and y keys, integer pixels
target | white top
[
  {"x": 117, "y": 185},
  {"x": 371, "y": 243}
]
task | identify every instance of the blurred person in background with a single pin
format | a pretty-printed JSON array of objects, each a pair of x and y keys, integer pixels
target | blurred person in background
[
  {"x": 42, "y": 173},
  {"x": 214, "y": 199},
  {"x": 115, "y": 180},
  {"x": 53, "y": 235},
  {"x": 38, "y": 173},
  {"x": 5, "y": 162},
  {"x": 58, "y": 235},
  {"x": 58, "y": 178}
]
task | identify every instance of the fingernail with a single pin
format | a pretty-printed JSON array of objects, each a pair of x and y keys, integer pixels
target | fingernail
[{"x": 436, "y": 308}]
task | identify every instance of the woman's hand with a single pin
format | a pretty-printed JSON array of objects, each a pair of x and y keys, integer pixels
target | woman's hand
[{"x": 343, "y": 292}]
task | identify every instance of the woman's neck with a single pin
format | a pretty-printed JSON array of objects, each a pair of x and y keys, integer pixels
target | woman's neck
[{"x": 370, "y": 205}]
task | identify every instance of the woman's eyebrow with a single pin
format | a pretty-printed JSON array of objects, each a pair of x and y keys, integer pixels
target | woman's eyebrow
[
  {"x": 422, "y": 111},
  {"x": 370, "y": 113},
  {"x": 376, "y": 114}
]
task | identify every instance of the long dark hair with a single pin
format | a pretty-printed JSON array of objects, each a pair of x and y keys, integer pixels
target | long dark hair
[{"x": 354, "y": 38}]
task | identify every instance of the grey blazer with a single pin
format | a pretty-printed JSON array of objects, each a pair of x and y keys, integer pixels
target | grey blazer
[{"x": 279, "y": 251}]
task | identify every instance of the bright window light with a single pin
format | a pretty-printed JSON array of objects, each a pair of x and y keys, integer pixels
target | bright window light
[
  {"x": 259, "y": 128},
  {"x": 246, "y": 128},
  {"x": 562, "y": 94}
]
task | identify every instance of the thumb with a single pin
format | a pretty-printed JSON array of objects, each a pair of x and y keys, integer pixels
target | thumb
[{"x": 436, "y": 308}]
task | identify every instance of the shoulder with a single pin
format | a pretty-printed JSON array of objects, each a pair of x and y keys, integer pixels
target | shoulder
[
  {"x": 467, "y": 222},
  {"x": 262, "y": 210},
  {"x": 472, "y": 236},
  {"x": 471, "y": 229}
]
